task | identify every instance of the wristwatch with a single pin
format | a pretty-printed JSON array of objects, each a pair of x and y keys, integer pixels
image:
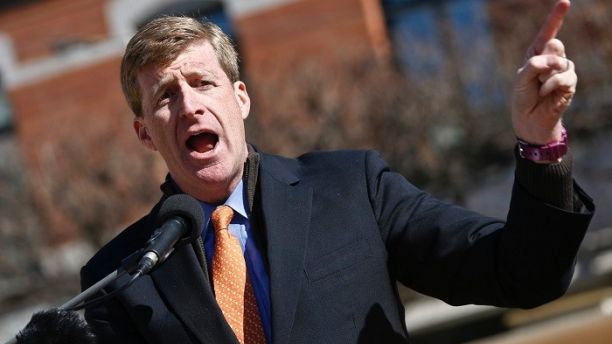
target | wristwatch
[{"x": 548, "y": 152}]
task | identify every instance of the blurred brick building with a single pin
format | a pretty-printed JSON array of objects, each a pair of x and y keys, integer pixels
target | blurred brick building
[
  {"x": 59, "y": 62},
  {"x": 63, "y": 113}
]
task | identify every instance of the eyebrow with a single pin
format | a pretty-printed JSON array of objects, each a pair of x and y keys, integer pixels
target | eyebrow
[
  {"x": 199, "y": 72},
  {"x": 162, "y": 84}
]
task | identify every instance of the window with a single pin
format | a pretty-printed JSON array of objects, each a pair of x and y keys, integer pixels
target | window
[
  {"x": 6, "y": 119},
  {"x": 433, "y": 37},
  {"x": 9, "y": 4},
  {"x": 415, "y": 36}
]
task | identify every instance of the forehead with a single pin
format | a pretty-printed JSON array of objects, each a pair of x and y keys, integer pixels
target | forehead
[{"x": 198, "y": 57}]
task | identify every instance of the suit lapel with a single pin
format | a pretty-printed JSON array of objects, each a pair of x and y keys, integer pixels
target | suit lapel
[
  {"x": 286, "y": 207},
  {"x": 182, "y": 283}
]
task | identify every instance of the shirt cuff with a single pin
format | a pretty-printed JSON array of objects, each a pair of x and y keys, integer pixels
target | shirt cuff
[{"x": 550, "y": 183}]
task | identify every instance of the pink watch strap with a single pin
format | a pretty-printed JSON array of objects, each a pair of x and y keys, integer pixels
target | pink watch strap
[{"x": 549, "y": 152}]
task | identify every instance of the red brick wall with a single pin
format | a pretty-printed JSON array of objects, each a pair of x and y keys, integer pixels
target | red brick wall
[
  {"x": 38, "y": 27},
  {"x": 321, "y": 30},
  {"x": 72, "y": 103},
  {"x": 280, "y": 44},
  {"x": 81, "y": 112},
  {"x": 78, "y": 119}
]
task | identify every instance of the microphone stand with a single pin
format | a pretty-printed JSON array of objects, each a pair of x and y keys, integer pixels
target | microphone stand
[
  {"x": 94, "y": 289},
  {"x": 128, "y": 265}
]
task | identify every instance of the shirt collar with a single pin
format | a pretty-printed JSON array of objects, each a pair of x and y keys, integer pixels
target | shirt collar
[{"x": 236, "y": 200}]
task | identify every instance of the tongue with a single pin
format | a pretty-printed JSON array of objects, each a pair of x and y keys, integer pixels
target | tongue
[{"x": 203, "y": 142}]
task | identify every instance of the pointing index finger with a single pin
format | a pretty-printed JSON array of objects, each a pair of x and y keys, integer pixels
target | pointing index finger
[{"x": 551, "y": 27}]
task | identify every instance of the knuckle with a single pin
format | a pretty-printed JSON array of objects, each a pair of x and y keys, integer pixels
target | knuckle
[
  {"x": 554, "y": 46},
  {"x": 532, "y": 62}
]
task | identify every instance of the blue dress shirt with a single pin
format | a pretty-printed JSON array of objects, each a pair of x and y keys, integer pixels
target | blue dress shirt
[{"x": 240, "y": 227}]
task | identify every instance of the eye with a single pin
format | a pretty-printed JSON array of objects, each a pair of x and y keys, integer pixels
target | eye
[
  {"x": 205, "y": 84},
  {"x": 164, "y": 98}
]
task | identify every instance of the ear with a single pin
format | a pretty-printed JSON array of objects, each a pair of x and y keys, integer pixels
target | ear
[
  {"x": 143, "y": 134},
  {"x": 242, "y": 97}
]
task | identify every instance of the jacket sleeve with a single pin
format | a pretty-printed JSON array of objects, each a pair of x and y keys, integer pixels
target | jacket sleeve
[{"x": 462, "y": 257}]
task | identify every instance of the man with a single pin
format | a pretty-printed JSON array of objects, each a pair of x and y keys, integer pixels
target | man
[{"x": 326, "y": 236}]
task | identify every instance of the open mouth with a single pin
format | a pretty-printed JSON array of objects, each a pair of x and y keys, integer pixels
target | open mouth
[{"x": 203, "y": 142}]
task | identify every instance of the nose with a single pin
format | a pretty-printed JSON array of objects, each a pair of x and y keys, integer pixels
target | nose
[{"x": 189, "y": 104}]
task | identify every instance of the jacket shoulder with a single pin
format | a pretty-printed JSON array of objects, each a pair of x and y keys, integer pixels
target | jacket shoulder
[
  {"x": 342, "y": 163},
  {"x": 339, "y": 166},
  {"x": 337, "y": 159}
]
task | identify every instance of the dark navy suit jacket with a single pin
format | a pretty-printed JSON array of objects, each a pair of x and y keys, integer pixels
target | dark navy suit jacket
[{"x": 339, "y": 229}]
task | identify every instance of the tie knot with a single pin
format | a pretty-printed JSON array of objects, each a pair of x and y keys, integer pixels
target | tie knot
[{"x": 221, "y": 217}]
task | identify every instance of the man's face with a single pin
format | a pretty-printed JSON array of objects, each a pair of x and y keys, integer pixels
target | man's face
[{"x": 194, "y": 116}]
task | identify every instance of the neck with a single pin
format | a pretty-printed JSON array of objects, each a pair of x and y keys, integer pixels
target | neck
[{"x": 216, "y": 194}]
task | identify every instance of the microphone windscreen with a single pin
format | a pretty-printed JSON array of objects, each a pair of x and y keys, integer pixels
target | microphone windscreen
[
  {"x": 186, "y": 207},
  {"x": 56, "y": 326}
]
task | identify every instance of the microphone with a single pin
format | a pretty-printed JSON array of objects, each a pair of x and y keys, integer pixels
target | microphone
[{"x": 179, "y": 221}]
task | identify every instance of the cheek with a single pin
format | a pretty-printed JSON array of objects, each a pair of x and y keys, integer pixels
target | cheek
[
  {"x": 237, "y": 128},
  {"x": 161, "y": 135},
  {"x": 231, "y": 118}
]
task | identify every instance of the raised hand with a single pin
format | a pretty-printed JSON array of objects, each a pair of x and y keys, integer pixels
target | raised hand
[{"x": 545, "y": 84}]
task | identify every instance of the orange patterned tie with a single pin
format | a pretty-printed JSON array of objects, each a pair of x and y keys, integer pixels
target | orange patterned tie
[{"x": 233, "y": 288}]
